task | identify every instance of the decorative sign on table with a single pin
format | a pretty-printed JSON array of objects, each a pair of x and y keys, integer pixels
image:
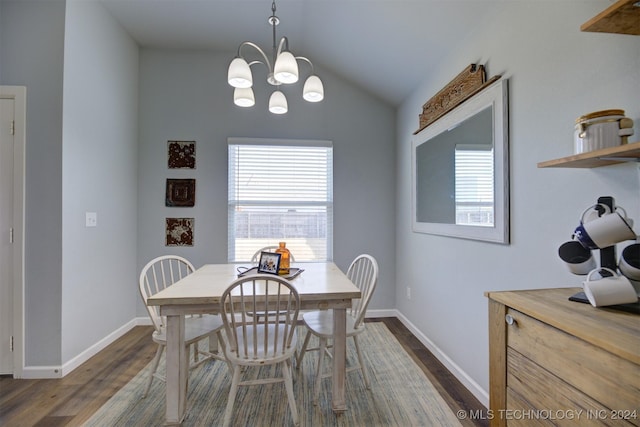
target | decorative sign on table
[
  {"x": 179, "y": 231},
  {"x": 181, "y": 154},
  {"x": 180, "y": 192},
  {"x": 466, "y": 84}
]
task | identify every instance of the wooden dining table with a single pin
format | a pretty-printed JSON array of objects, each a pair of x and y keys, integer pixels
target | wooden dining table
[{"x": 321, "y": 286}]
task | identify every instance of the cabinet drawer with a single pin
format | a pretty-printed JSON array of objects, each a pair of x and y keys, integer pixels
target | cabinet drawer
[
  {"x": 612, "y": 382},
  {"x": 537, "y": 397}
]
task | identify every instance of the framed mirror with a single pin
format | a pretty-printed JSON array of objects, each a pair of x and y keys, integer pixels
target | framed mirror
[{"x": 460, "y": 176}]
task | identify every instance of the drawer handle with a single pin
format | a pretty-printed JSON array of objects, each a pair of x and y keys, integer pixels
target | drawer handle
[{"x": 510, "y": 320}]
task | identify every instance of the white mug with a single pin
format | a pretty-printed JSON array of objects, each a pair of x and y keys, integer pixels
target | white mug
[
  {"x": 629, "y": 264},
  {"x": 605, "y": 231},
  {"x": 609, "y": 290},
  {"x": 578, "y": 258},
  {"x": 636, "y": 286}
]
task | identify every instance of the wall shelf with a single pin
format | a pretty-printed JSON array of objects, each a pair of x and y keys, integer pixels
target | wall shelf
[
  {"x": 622, "y": 17},
  {"x": 597, "y": 158}
]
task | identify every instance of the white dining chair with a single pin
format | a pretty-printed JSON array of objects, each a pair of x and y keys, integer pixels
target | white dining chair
[
  {"x": 159, "y": 274},
  {"x": 256, "y": 341},
  {"x": 363, "y": 272}
]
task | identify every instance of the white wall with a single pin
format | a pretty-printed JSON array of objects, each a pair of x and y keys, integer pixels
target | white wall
[
  {"x": 99, "y": 174},
  {"x": 184, "y": 96},
  {"x": 556, "y": 73}
]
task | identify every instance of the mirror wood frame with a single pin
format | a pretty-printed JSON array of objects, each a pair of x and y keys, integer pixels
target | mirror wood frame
[{"x": 496, "y": 96}]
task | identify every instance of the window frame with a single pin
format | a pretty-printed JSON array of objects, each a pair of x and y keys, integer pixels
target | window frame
[{"x": 233, "y": 203}]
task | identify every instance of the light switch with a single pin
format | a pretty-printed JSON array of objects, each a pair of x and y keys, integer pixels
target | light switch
[{"x": 91, "y": 219}]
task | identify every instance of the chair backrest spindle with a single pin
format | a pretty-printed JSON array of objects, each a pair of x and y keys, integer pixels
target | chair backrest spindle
[{"x": 254, "y": 338}]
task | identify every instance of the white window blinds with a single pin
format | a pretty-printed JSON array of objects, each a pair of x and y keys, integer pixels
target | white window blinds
[
  {"x": 474, "y": 185},
  {"x": 280, "y": 191}
]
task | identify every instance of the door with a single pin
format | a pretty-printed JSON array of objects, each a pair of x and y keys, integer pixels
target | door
[
  {"x": 6, "y": 220},
  {"x": 12, "y": 151}
]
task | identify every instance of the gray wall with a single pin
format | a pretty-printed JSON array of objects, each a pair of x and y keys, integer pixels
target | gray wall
[
  {"x": 99, "y": 174},
  {"x": 80, "y": 283},
  {"x": 184, "y": 96},
  {"x": 35, "y": 59},
  {"x": 556, "y": 73}
]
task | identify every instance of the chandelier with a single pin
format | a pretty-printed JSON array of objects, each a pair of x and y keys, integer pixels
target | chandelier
[{"x": 282, "y": 69}]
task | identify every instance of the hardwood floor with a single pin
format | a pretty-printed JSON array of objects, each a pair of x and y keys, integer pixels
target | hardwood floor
[{"x": 72, "y": 400}]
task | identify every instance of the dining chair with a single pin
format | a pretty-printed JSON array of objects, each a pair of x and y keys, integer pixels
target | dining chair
[
  {"x": 363, "y": 272},
  {"x": 255, "y": 341},
  {"x": 256, "y": 256},
  {"x": 159, "y": 274}
]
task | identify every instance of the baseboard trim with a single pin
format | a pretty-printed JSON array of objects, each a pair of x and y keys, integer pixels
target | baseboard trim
[
  {"x": 41, "y": 372},
  {"x": 475, "y": 389},
  {"x": 381, "y": 313},
  {"x": 53, "y": 372}
]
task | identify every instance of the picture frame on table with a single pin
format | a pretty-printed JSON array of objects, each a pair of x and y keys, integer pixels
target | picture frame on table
[{"x": 269, "y": 262}]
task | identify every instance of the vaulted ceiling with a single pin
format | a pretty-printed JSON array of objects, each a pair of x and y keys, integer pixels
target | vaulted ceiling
[{"x": 386, "y": 47}]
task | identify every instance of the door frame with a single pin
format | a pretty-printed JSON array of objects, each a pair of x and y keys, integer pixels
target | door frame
[{"x": 19, "y": 96}]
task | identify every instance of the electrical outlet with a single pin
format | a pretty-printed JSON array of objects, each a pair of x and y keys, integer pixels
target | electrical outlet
[
  {"x": 91, "y": 219},
  {"x": 408, "y": 293}
]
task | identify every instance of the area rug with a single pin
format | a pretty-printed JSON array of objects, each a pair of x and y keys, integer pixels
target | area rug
[{"x": 400, "y": 394}]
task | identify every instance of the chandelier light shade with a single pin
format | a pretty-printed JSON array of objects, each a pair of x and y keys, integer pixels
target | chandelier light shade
[
  {"x": 286, "y": 68},
  {"x": 313, "y": 90},
  {"x": 281, "y": 70},
  {"x": 243, "y": 97},
  {"x": 278, "y": 103},
  {"x": 240, "y": 74}
]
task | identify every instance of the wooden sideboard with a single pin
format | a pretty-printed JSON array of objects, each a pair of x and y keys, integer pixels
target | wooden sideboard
[{"x": 559, "y": 362}]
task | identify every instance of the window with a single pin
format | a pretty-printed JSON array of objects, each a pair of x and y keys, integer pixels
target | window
[
  {"x": 474, "y": 185},
  {"x": 280, "y": 190}
]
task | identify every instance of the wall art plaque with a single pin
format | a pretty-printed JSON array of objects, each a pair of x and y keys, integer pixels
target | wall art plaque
[
  {"x": 180, "y": 192},
  {"x": 179, "y": 231},
  {"x": 182, "y": 154},
  {"x": 466, "y": 84}
]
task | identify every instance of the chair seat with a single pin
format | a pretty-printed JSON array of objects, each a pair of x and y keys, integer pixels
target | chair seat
[
  {"x": 321, "y": 323},
  {"x": 195, "y": 329},
  {"x": 259, "y": 356}
]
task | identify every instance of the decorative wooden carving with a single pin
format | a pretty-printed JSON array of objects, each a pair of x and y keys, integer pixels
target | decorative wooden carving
[
  {"x": 179, "y": 232},
  {"x": 470, "y": 81},
  {"x": 182, "y": 154},
  {"x": 180, "y": 192}
]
